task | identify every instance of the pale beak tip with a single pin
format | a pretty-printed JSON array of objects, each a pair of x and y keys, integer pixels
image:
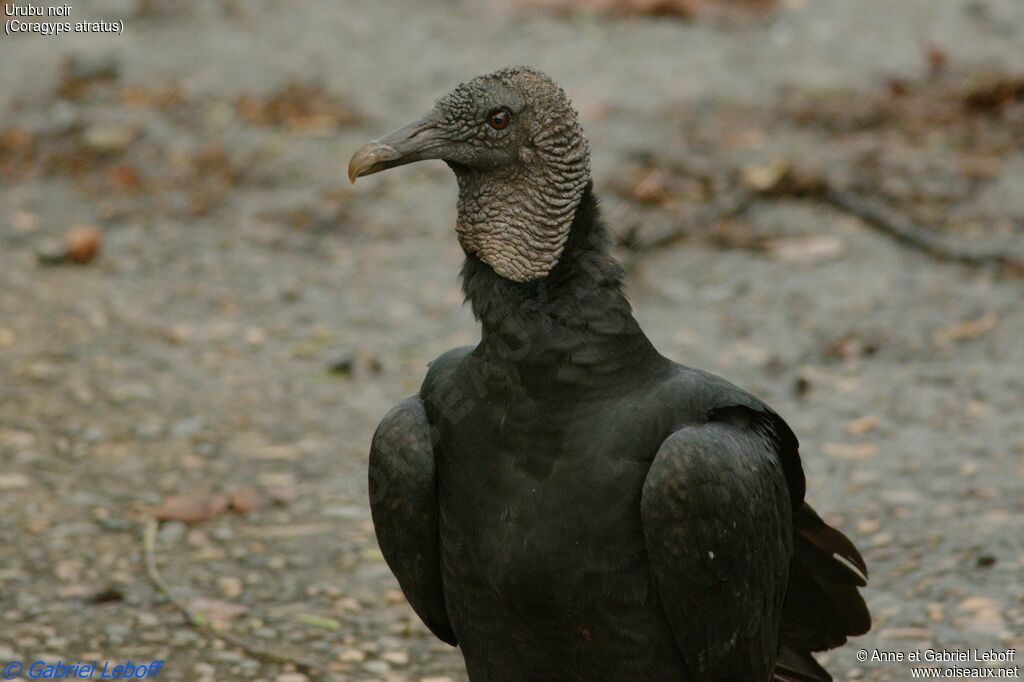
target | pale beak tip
[
  {"x": 355, "y": 165},
  {"x": 371, "y": 158}
]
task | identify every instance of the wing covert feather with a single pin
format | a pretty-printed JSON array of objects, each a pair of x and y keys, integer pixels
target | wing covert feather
[
  {"x": 718, "y": 530},
  {"x": 403, "y": 501}
]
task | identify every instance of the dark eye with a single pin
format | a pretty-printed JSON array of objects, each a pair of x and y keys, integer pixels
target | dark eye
[{"x": 499, "y": 119}]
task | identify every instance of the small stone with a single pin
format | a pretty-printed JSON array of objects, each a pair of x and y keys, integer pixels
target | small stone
[
  {"x": 277, "y": 479},
  {"x": 858, "y": 427},
  {"x": 341, "y": 364},
  {"x": 868, "y": 526},
  {"x": 254, "y": 336},
  {"x": 249, "y": 665},
  {"x": 184, "y": 638},
  {"x": 808, "y": 249},
  {"x": 83, "y": 243},
  {"x": 18, "y": 439},
  {"x": 109, "y": 139},
  {"x": 374, "y": 364},
  {"x": 980, "y": 614},
  {"x": 376, "y": 667},
  {"x": 92, "y": 67},
  {"x": 171, "y": 532},
  {"x": 223, "y": 534},
  {"x": 764, "y": 177},
  {"x": 230, "y": 586},
  {"x": 25, "y": 222},
  {"x": 149, "y": 428},
  {"x": 986, "y": 561},
  {"x": 850, "y": 451},
  {"x": 227, "y": 656},
  {"x": 185, "y": 428},
  {"x": 349, "y": 604},
  {"x": 918, "y": 634},
  {"x": 147, "y": 620},
  {"x": 207, "y": 450},
  {"x": 291, "y": 677},
  {"x": 14, "y": 481},
  {"x": 344, "y": 512},
  {"x": 352, "y": 656},
  {"x": 74, "y": 591},
  {"x": 51, "y": 252},
  {"x": 68, "y": 570},
  {"x": 219, "y": 611},
  {"x": 396, "y": 657},
  {"x": 881, "y": 539},
  {"x": 904, "y": 497},
  {"x": 117, "y": 634}
]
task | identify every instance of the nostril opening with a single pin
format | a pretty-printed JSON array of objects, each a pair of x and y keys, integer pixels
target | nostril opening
[{"x": 419, "y": 131}]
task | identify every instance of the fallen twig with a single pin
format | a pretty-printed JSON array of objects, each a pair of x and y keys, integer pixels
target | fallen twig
[
  {"x": 200, "y": 622},
  {"x": 791, "y": 183},
  {"x": 800, "y": 184},
  {"x": 904, "y": 230}
]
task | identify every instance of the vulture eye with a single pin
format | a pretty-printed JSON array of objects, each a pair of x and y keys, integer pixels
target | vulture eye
[{"x": 499, "y": 119}]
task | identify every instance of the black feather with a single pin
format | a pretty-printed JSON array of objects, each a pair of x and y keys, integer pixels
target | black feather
[{"x": 823, "y": 606}]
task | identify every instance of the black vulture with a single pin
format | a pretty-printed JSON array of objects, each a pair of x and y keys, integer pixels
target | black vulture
[{"x": 561, "y": 501}]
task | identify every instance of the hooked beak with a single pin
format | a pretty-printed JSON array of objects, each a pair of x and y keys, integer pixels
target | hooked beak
[{"x": 415, "y": 142}]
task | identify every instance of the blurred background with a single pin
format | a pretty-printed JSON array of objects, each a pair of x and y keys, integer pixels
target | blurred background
[{"x": 201, "y": 323}]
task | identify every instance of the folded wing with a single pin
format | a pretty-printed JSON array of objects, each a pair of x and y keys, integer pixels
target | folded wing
[
  {"x": 403, "y": 501},
  {"x": 717, "y": 520}
]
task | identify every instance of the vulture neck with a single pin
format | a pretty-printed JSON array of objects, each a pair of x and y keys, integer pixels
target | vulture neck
[{"x": 572, "y": 327}]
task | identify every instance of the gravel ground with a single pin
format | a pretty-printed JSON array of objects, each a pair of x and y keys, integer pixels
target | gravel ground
[{"x": 249, "y": 318}]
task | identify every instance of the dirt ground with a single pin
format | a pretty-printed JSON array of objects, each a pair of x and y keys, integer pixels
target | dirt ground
[{"x": 224, "y": 359}]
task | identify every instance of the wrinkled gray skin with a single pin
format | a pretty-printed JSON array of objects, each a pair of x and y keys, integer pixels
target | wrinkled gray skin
[{"x": 518, "y": 186}]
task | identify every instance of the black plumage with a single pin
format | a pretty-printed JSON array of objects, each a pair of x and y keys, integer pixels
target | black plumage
[{"x": 565, "y": 503}]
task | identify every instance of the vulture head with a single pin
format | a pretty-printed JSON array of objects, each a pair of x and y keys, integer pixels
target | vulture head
[{"x": 521, "y": 160}]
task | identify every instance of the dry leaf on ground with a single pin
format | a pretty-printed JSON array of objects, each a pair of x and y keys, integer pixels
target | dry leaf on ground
[{"x": 191, "y": 509}]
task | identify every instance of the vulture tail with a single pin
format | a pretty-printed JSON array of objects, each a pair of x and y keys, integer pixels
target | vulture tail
[
  {"x": 798, "y": 666},
  {"x": 823, "y": 606}
]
